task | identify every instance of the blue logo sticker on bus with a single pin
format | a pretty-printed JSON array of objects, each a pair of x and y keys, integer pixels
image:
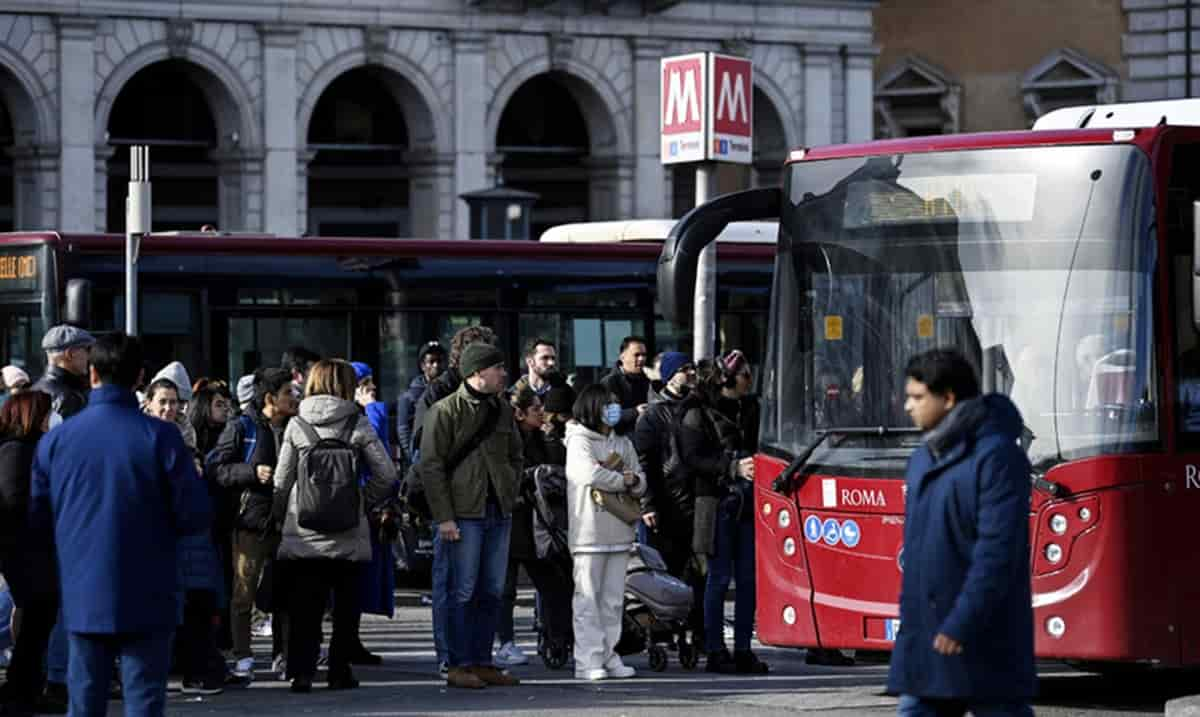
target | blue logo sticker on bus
[
  {"x": 831, "y": 532},
  {"x": 812, "y": 529},
  {"x": 891, "y": 629},
  {"x": 850, "y": 534}
]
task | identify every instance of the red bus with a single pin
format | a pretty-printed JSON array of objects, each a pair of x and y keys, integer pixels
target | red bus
[
  {"x": 1062, "y": 262},
  {"x": 225, "y": 304}
]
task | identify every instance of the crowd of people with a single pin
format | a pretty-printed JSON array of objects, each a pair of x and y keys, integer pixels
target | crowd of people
[{"x": 275, "y": 500}]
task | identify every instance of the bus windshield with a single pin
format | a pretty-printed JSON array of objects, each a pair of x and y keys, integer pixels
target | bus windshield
[{"x": 1037, "y": 263}]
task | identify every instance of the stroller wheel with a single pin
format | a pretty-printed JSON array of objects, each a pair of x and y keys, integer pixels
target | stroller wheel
[
  {"x": 554, "y": 656},
  {"x": 658, "y": 658},
  {"x": 689, "y": 656}
]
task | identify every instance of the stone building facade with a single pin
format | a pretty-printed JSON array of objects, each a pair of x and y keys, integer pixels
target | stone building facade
[
  {"x": 950, "y": 66},
  {"x": 372, "y": 116}
]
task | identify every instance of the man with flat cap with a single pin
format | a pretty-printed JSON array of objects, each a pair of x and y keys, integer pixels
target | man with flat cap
[{"x": 67, "y": 351}]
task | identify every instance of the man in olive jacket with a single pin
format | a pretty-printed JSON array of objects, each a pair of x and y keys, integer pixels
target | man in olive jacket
[{"x": 471, "y": 460}]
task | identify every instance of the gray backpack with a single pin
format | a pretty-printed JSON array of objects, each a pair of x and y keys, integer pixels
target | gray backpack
[{"x": 328, "y": 498}]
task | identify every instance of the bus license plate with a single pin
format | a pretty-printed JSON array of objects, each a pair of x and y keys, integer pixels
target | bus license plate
[{"x": 891, "y": 629}]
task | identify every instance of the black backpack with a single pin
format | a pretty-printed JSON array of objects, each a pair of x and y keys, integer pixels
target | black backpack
[{"x": 328, "y": 498}]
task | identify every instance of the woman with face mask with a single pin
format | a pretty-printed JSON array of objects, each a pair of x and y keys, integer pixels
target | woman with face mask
[{"x": 599, "y": 460}]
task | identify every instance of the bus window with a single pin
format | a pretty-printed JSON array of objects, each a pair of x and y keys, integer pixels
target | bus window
[{"x": 1184, "y": 188}]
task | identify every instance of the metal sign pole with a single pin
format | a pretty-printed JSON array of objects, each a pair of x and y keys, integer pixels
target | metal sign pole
[
  {"x": 137, "y": 224},
  {"x": 704, "y": 307}
]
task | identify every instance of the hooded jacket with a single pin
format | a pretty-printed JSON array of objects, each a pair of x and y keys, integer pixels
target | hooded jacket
[
  {"x": 966, "y": 567},
  {"x": 590, "y": 529},
  {"x": 328, "y": 415},
  {"x": 176, "y": 373}
]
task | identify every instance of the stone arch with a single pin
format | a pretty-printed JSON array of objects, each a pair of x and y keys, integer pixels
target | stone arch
[
  {"x": 428, "y": 128},
  {"x": 774, "y": 134},
  {"x": 27, "y": 100},
  {"x": 606, "y": 115},
  {"x": 231, "y": 102},
  {"x": 782, "y": 108}
]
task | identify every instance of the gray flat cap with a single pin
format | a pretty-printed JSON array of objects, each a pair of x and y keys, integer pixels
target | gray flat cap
[{"x": 63, "y": 337}]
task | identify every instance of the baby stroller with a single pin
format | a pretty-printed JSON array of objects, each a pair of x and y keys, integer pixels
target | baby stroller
[
  {"x": 656, "y": 603},
  {"x": 547, "y": 493}
]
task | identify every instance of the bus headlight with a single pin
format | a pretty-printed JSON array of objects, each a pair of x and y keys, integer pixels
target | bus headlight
[
  {"x": 789, "y": 615},
  {"x": 789, "y": 547},
  {"x": 1056, "y": 626},
  {"x": 1054, "y": 552},
  {"x": 1085, "y": 514},
  {"x": 1058, "y": 523},
  {"x": 785, "y": 518},
  {"x": 766, "y": 508}
]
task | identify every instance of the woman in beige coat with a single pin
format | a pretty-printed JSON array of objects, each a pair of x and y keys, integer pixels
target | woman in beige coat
[{"x": 599, "y": 460}]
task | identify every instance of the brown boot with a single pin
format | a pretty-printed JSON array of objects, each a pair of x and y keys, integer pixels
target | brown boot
[
  {"x": 492, "y": 676},
  {"x": 464, "y": 677}
]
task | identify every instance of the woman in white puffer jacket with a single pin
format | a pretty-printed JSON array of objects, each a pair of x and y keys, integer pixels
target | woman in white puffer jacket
[{"x": 599, "y": 459}]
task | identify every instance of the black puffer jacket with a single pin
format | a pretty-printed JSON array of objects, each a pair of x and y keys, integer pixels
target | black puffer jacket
[
  {"x": 709, "y": 446},
  {"x": 539, "y": 450},
  {"x": 669, "y": 492},
  {"x": 632, "y": 390},
  {"x": 27, "y": 563},
  {"x": 68, "y": 392},
  {"x": 228, "y": 468}
]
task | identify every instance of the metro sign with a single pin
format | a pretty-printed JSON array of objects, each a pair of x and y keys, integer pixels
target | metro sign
[{"x": 707, "y": 108}]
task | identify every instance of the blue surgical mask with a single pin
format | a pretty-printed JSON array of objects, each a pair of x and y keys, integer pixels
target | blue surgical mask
[{"x": 612, "y": 414}]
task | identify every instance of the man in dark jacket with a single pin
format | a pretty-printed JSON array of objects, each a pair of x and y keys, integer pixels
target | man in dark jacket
[
  {"x": 966, "y": 621},
  {"x": 118, "y": 575},
  {"x": 629, "y": 383},
  {"x": 244, "y": 462},
  {"x": 652, "y": 438},
  {"x": 67, "y": 349},
  {"x": 432, "y": 362},
  {"x": 471, "y": 461}
]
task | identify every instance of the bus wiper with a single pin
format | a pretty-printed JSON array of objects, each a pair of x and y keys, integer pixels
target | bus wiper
[{"x": 784, "y": 483}]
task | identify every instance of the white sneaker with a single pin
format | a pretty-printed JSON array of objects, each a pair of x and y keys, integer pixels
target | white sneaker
[
  {"x": 618, "y": 670},
  {"x": 279, "y": 667},
  {"x": 443, "y": 670},
  {"x": 592, "y": 675},
  {"x": 509, "y": 655},
  {"x": 244, "y": 667},
  {"x": 262, "y": 628}
]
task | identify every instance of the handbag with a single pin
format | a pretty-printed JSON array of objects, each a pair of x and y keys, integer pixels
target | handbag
[{"x": 622, "y": 506}]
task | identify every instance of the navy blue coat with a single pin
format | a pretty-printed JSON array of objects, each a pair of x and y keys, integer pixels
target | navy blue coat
[
  {"x": 378, "y": 579},
  {"x": 966, "y": 560},
  {"x": 116, "y": 489}
]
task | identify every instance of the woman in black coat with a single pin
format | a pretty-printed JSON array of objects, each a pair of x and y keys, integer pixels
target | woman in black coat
[{"x": 26, "y": 560}]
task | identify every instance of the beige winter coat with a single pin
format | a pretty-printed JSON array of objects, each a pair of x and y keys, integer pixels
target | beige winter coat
[{"x": 590, "y": 529}]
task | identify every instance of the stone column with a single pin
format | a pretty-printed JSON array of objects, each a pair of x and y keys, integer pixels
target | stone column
[
  {"x": 101, "y": 154},
  {"x": 35, "y": 188},
  {"x": 818, "y": 93},
  {"x": 76, "y": 123},
  {"x": 303, "y": 159},
  {"x": 280, "y": 192},
  {"x": 233, "y": 165},
  {"x": 470, "y": 123},
  {"x": 860, "y": 87},
  {"x": 606, "y": 178},
  {"x": 431, "y": 199},
  {"x": 649, "y": 178}
]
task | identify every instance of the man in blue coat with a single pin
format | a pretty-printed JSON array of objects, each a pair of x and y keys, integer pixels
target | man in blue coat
[
  {"x": 116, "y": 489},
  {"x": 966, "y": 615}
]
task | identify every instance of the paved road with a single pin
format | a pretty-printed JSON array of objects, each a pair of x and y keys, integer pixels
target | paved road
[{"x": 405, "y": 685}]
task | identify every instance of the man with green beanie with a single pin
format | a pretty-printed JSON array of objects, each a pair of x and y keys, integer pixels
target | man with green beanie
[{"x": 471, "y": 460}]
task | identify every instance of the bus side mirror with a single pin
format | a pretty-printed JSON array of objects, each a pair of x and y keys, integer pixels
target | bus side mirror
[{"x": 78, "y": 310}]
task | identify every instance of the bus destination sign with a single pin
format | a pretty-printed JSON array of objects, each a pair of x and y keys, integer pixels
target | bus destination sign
[{"x": 19, "y": 270}]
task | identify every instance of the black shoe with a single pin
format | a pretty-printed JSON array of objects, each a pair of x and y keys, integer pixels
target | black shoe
[
  {"x": 301, "y": 685},
  {"x": 17, "y": 709},
  {"x": 235, "y": 680},
  {"x": 55, "y": 700},
  {"x": 364, "y": 657},
  {"x": 747, "y": 663},
  {"x": 208, "y": 686},
  {"x": 721, "y": 662},
  {"x": 342, "y": 682}
]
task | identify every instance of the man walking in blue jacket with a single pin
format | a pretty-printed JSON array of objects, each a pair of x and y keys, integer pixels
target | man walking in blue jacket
[
  {"x": 116, "y": 489},
  {"x": 966, "y": 615}
]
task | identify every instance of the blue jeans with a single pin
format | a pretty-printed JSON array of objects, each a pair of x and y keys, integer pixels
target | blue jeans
[
  {"x": 441, "y": 590},
  {"x": 734, "y": 558},
  {"x": 478, "y": 564},
  {"x": 6, "y": 608},
  {"x": 911, "y": 706},
  {"x": 145, "y": 659},
  {"x": 58, "y": 652}
]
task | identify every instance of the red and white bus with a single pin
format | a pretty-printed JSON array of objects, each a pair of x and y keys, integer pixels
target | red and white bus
[
  {"x": 1062, "y": 261},
  {"x": 225, "y": 304}
]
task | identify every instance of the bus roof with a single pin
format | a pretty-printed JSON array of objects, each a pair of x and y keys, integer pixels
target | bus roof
[
  {"x": 208, "y": 243},
  {"x": 1126, "y": 115},
  {"x": 653, "y": 230}
]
